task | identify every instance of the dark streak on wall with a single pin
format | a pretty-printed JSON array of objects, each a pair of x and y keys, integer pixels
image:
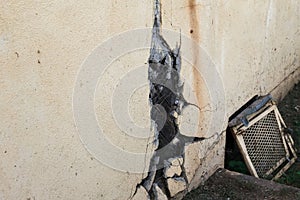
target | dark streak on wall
[
  {"x": 194, "y": 22},
  {"x": 195, "y": 35}
]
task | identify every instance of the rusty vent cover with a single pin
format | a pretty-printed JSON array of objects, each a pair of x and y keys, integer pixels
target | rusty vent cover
[{"x": 265, "y": 145}]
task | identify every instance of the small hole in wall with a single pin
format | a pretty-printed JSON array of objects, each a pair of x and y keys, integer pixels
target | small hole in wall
[{"x": 191, "y": 31}]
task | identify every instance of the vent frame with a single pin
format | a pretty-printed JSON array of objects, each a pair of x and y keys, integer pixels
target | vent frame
[{"x": 251, "y": 137}]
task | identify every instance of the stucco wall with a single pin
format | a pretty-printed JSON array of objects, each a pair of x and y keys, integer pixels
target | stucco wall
[{"x": 253, "y": 45}]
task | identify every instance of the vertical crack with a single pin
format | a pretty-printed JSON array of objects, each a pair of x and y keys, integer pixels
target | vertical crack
[{"x": 167, "y": 103}]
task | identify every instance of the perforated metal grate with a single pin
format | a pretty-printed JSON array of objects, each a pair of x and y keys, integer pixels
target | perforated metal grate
[
  {"x": 263, "y": 139},
  {"x": 264, "y": 144}
]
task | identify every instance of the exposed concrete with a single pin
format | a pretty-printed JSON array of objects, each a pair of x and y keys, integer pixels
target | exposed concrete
[{"x": 167, "y": 101}]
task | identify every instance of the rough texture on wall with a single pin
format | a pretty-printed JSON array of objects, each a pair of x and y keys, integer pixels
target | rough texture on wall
[{"x": 254, "y": 45}]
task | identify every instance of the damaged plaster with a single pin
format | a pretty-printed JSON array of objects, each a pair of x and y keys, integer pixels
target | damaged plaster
[
  {"x": 167, "y": 175},
  {"x": 37, "y": 120}
]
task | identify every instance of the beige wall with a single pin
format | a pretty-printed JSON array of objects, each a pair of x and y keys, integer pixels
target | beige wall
[{"x": 253, "y": 44}]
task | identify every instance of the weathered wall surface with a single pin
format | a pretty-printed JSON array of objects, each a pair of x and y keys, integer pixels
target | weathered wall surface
[{"x": 253, "y": 45}]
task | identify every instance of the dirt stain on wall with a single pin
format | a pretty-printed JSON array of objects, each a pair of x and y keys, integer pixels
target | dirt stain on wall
[
  {"x": 194, "y": 22},
  {"x": 195, "y": 35}
]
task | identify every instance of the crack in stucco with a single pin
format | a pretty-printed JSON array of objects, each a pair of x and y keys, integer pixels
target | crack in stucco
[{"x": 167, "y": 103}]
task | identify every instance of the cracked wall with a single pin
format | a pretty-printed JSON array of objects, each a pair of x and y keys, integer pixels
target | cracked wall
[
  {"x": 167, "y": 174},
  {"x": 254, "y": 45}
]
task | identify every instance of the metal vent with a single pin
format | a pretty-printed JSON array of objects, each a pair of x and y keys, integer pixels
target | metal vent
[
  {"x": 264, "y": 144},
  {"x": 267, "y": 150}
]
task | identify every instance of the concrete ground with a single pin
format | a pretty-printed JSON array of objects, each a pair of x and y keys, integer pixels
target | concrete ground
[{"x": 228, "y": 185}]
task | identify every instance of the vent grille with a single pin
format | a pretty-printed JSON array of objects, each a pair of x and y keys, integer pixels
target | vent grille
[
  {"x": 267, "y": 149},
  {"x": 264, "y": 144}
]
